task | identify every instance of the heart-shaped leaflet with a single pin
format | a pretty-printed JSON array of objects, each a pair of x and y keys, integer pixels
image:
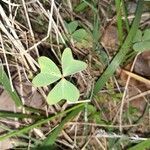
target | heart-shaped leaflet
[
  {"x": 49, "y": 74},
  {"x": 144, "y": 42},
  {"x": 63, "y": 90},
  {"x": 70, "y": 65}
]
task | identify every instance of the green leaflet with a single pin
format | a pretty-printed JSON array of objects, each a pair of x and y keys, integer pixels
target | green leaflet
[
  {"x": 50, "y": 73},
  {"x": 146, "y": 35},
  {"x": 142, "y": 43},
  {"x": 63, "y": 90},
  {"x": 72, "y": 26},
  {"x": 4, "y": 80},
  {"x": 142, "y": 46},
  {"x": 138, "y": 36},
  {"x": 80, "y": 35},
  {"x": 70, "y": 65}
]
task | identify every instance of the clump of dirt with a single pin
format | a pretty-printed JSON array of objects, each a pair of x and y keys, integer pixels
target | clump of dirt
[
  {"x": 109, "y": 39},
  {"x": 142, "y": 65}
]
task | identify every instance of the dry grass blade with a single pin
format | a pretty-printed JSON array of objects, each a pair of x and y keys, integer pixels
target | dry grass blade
[
  {"x": 15, "y": 40},
  {"x": 136, "y": 77}
]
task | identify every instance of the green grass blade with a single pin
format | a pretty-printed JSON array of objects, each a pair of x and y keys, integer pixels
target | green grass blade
[
  {"x": 4, "y": 80},
  {"x": 34, "y": 110},
  {"x": 8, "y": 114},
  {"x": 126, "y": 16},
  {"x": 81, "y": 7},
  {"x": 96, "y": 31},
  {"x": 3, "y": 127},
  {"x": 90, "y": 5},
  {"x": 119, "y": 20},
  {"x": 35, "y": 125},
  {"x": 117, "y": 60},
  {"x": 50, "y": 140},
  {"x": 141, "y": 146}
]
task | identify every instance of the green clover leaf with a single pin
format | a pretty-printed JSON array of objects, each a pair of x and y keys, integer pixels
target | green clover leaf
[
  {"x": 50, "y": 73},
  {"x": 77, "y": 34},
  {"x": 142, "y": 43}
]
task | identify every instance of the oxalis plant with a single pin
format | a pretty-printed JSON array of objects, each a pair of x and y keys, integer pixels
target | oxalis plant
[
  {"x": 50, "y": 73},
  {"x": 141, "y": 41}
]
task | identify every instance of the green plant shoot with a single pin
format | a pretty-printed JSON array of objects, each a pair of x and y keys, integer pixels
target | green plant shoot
[{"x": 50, "y": 73}]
